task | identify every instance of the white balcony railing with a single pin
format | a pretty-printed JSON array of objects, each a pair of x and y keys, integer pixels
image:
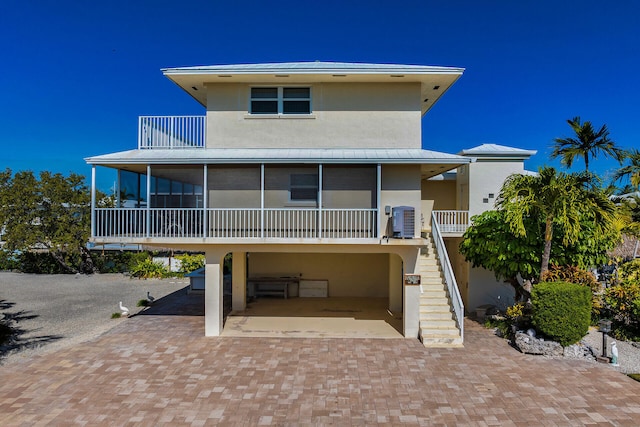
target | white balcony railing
[
  {"x": 168, "y": 132},
  {"x": 282, "y": 223},
  {"x": 452, "y": 221}
]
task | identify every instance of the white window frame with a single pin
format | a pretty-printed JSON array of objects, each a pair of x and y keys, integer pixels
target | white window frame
[{"x": 280, "y": 100}]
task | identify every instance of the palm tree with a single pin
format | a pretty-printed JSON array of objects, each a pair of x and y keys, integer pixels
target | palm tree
[
  {"x": 561, "y": 200},
  {"x": 587, "y": 144},
  {"x": 632, "y": 170}
]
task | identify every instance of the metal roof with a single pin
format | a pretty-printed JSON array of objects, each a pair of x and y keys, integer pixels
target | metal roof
[
  {"x": 497, "y": 151},
  {"x": 278, "y": 155},
  {"x": 315, "y": 67}
]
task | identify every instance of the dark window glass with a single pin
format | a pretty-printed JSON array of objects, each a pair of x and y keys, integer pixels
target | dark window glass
[
  {"x": 296, "y": 107},
  {"x": 264, "y": 107},
  {"x": 296, "y": 92},
  {"x": 264, "y": 92}
]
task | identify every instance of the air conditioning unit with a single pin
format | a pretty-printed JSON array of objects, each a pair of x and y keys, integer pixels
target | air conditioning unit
[{"x": 404, "y": 220}]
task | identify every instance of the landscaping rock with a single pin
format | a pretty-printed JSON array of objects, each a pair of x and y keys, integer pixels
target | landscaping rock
[
  {"x": 530, "y": 345},
  {"x": 579, "y": 351}
]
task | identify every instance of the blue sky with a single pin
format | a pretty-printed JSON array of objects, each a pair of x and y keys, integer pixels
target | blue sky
[{"x": 76, "y": 75}]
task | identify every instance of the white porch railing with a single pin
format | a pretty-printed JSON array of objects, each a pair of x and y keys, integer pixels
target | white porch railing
[
  {"x": 171, "y": 132},
  {"x": 447, "y": 271},
  {"x": 452, "y": 221},
  {"x": 281, "y": 223}
]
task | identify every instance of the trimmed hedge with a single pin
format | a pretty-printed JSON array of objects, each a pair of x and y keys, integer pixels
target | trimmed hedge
[{"x": 561, "y": 311}]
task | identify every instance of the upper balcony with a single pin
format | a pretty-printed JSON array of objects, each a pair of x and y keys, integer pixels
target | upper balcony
[{"x": 171, "y": 132}]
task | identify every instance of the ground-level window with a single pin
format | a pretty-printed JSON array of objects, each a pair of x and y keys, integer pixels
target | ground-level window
[
  {"x": 280, "y": 100},
  {"x": 303, "y": 187}
]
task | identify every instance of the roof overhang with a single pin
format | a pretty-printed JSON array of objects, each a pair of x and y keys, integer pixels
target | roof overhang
[
  {"x": 431, "y": 162},
  {"x": 434, "y": 81}
]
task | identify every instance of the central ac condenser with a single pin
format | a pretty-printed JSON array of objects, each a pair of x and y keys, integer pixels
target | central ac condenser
[{"x": 404, "y": 219}]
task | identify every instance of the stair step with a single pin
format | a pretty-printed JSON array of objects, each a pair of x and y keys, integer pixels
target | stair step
[
  {"x": 434, "y": 293},
  {"x": 431, "y": 285},
  {"x": 435, "y": 302},
  {"x": 439, "y": 333},
  {"x": 438, "y": 324},
  {"x": 435, "y": 315}
]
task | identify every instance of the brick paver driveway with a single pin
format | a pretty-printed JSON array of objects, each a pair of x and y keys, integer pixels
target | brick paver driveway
[{"x": 159, "y": 369}]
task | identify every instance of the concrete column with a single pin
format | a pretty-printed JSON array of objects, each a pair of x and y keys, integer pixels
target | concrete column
[
  {"x": 239, "y": 281},
  {"x": 395, "y": 283},
  {"x": 213, "y": 302},
  {"x": 411, "y": 300}
]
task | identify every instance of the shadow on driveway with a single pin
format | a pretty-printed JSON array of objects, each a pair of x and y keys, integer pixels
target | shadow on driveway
[
  {"x": 16, "y": 340},
  {"x": 178, "y": 303}
]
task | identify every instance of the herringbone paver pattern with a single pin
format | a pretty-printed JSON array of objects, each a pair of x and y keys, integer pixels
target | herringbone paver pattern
[{"x": 160, "y": 369}]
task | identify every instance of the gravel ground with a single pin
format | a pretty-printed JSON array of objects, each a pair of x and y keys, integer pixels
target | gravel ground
[
  {"x": 628, "y": 355},
  {"x": 54, "y": 311}
]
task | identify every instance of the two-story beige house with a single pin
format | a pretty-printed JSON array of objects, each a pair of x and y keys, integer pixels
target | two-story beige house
[{"x": 313, "y": 176}]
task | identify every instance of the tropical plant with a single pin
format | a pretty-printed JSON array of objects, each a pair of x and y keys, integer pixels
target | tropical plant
[
  {"x": 490, "y": 243},
  {"x": 189, "y": 263},
  {"x": 561, "y": 200},
  {"x": 632, "y": 170},
  {"x": 147, "y": 269},
  {"x": 587, "y": 143}
]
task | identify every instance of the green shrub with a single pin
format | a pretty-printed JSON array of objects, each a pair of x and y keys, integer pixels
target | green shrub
[
  {"x": 147, "y": 269},
  {"x": 572, "y": 274},
  {"x": 630, "y": 271},
  {"x": 142, "y": 303},
  {"x": 189, "y": 263},
  {"x": 8, "y": 260},
  {"x": 561, "y": 311},
  {"x": 116, "y": 315}
]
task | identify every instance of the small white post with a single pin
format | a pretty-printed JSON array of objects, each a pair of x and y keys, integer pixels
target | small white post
[{"x": 148, "y": 200}]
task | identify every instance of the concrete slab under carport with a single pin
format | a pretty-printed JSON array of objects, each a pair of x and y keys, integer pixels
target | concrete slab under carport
[{"x": 345, "y": 317}]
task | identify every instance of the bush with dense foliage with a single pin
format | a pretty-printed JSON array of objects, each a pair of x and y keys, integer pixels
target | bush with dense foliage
[
  {"x": 572, "y": 274},
  {"x": 561, "y": 311},
  {"x": 148, "y": 269},
  {"x": 189, "y": 263}
]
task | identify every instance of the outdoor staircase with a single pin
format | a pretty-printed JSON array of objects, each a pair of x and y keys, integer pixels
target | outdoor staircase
[{"x": 438, "y": 327}]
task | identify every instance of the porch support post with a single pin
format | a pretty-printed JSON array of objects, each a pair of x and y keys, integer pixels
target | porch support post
[
  {"x": 116, "y": 190},
  {"x": 261, "y": 200},
  {"x": 205, "y": 202},
  {"x": 213, "y": 295},
  {"x": 378, "y": 200},
  {"x": 320, "y": 201},
  {"x": 148, "y": 200},
  {"x": 239, "y": 281},
  {"x": 93, "y": 201},
  {"x": 411, "y": 299}
]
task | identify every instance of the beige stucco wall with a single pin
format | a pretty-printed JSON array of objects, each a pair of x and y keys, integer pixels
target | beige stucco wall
[
  {"x": 349, "y": 275},
  {"x": 437, "y": 195},
  {"x": 485, "y": 178},
  {"x": 400, "y": 187},
  {"x": 351, "y": 115}
]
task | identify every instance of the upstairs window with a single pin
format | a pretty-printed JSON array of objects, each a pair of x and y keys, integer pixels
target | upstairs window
[
  {"x": 280, "y": 100},
  {"x": 303, "y": 187}
]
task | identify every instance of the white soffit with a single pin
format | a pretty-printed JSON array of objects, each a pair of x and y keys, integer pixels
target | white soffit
[{"x": 434, "y": 80}]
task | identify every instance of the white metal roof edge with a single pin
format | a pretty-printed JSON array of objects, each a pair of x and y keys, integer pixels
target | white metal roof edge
[
  {"x": 227, "y": 156},
  {"x": 314, "y": 68}
]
